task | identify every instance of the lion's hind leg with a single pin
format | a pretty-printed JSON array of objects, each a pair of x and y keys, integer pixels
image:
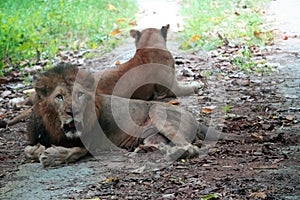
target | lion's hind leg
[
  {"x": 182, "y": 152},
  {"x": 179, "y": 127},
  {"x": 57, "y": 155},
  {"x": 151, "y": 143},
  {"x": 184, "y": 90}
]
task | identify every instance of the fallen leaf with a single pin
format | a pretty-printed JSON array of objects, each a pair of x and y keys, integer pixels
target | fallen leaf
[
  {"x": 259, "y": 138},
  {"x": 214, "y": 19},
  {"x": 114, "y": 32},
  {"x": 261, "y": 61},
  {"x": 111, "y": 7},
  {"x": 168, "y": 196},
  {"x": 109, "y": 180},
  {"x": 174, "y": 102},
  {"x": 285, "y": 37},
  {"x": 266, "y": 167},
  {"x": 93, "y": 199},
  {"x": 120, "y": 20},
  {"x": 16, "y": 102},
  {"x": 290, "y": 117},
  {"x": 206, "y": 110},
  {"x": 94, "y": 46},
  {"x": 29, "y": 91},
  {"x": 4, "y": 79},
  {"x": 185, "y": 45},
  {"x": 132, "y": 23},
  {"x": 233, "y": 116},
  {"x": 258, "y": 195},
  {"x": 3, "y": 158},
  {"x": 237, "y": 13},
  {"x": 210, "y": 196},
  {"x": 256, "y": 34},
  {"x": 194, "y": 38},
  {"x": 5, "y": 93}
]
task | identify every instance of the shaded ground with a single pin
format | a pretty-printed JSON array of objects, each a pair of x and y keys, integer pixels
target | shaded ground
[{"x": 263, "y": 108}]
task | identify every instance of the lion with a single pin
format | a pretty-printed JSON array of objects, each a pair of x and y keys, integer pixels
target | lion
[
  {"x": 151, "y": 48},
  {"x": 69, "y": 106}
]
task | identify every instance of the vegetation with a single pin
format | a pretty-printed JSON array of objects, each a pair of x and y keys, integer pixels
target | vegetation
[
  {"x": 209, "y": 22},
  {"x": 39, "y": 28}
]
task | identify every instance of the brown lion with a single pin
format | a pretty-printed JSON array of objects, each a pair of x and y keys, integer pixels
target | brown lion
[
  {"x": 69, "y": 110},
  {"x": 151, "y": 50}
]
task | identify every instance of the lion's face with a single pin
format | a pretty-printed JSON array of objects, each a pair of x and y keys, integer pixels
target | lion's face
[
  {"x": 71, "y": 106},
  {"x": 66, "y": 104}
]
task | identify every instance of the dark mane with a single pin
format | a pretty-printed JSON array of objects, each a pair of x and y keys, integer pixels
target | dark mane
[{"x": 44, "y": 85}]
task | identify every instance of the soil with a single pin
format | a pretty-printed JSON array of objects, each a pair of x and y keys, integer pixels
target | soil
[{"x": 263, "y": 110}]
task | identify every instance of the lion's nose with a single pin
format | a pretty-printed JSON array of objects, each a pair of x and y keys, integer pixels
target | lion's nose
[{"x": 69, "y": 111}]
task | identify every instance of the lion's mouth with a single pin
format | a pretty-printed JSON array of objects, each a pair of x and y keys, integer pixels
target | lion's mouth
[{"x": 72, "y": 128}]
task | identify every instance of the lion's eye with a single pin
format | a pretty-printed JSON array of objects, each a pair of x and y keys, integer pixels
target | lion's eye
[
  {"x": 80, "y": 94},
  {"x": 59, "y": 97}
]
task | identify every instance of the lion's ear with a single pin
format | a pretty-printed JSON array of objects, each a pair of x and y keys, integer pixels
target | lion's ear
[
  {"x": 42, "y": 86},
  {"x": 135, "y": 34},
  {"x": 164, "y": 31}
]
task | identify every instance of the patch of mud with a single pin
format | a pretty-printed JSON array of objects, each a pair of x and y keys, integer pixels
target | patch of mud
[{"x": 34, "y": 182}]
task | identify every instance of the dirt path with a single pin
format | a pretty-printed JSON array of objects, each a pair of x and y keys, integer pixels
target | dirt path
[{"x": 266, "y": 166}]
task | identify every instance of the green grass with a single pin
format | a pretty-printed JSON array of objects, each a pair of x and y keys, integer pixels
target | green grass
[
  {"x": 240, "y": 21},
  {"x": 39, "y": 28}
]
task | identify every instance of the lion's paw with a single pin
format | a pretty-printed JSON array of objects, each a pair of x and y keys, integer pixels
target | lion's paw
[
  {"x": 60, "y": 155},
  {"x": 34, "y": 152},
  {"x": 146, "y": 148},
  {"x": 54, "y": 156},
  {"x": 197, "y": 85},
  {"x": 180, "y": 152}
]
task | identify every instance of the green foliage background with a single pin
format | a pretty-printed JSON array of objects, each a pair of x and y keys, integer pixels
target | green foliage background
[
  {"x": 237, "y": 20},
  {"x": 38, "y": 28}
]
